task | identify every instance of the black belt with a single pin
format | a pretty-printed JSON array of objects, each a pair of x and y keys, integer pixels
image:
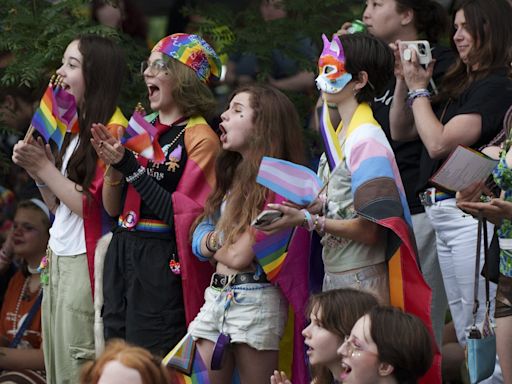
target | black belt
[{"x": 220, "y": 281}]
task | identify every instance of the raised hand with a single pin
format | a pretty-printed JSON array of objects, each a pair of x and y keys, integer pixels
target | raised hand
[
  {"x": 279, "y": 378},
  {"x": 107, "y": 146}
]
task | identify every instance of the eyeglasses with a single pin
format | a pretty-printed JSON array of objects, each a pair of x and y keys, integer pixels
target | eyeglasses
[
  {"x": 155, "y": 67},
  {"x": 350, "y": 350}
]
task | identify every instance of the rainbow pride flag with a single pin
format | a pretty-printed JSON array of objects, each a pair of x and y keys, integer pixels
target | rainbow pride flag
[
  {"x": 186, "y": 363},
  {"x": 44, "y": 120},
  {"x": 140, "y": 137},
  {"x": 271, "y": 251},
  {"x": 56, "y": 115},
  {"x": 292, "y": 181},
  {"x": 333, "y": 150}
]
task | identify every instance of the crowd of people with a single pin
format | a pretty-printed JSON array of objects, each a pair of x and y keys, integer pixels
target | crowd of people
[{"x": 143, "y": 251}]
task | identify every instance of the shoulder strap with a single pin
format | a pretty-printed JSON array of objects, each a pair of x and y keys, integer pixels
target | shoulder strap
[
  {"x": 28, "y": 320},
  {"x": 482, "y": 228}
]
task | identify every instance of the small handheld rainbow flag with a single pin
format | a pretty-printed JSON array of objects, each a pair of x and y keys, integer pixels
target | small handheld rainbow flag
[
  {"x": 292, "y": 181},
  {"x": 271, "y": 251},
  {"x": 56, "y": 114},
  {"x": 140, "y": 137},
  {"x": 188, "y": 367}
]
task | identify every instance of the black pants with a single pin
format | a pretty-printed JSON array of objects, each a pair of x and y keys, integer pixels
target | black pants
[{"x": 143, "y": 300}]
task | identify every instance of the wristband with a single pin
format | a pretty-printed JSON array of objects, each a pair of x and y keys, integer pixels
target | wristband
[
  {"x": 413, "y": 95},
  {"x": 41, "y": 185},
  {"x": 308, "y": 220}
]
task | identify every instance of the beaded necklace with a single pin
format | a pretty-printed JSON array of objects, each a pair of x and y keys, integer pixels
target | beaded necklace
[
  {"x": 21, "y": 297},
  {"x": 24, "y": 296}
]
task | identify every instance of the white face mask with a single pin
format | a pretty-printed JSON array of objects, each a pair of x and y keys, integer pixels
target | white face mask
[{"x": 332, "y": 77}]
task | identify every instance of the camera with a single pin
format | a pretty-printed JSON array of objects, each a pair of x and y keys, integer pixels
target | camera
[{"x": 421, "y": 47}]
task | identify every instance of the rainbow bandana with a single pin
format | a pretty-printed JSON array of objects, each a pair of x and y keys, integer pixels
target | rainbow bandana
[
  {"x": 332, "y": 76},
  {"x": 194, "y": 52}
]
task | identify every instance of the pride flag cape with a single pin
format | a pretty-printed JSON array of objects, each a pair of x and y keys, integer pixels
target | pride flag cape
[
  {"x": 292, "y": 181},
  {"x": 379, "y": 197},
  {"x": 284, "y": 258},
  {"x": 140, "y": 138},
  {"x": 56, "y": 115},
  {"x": 96, "y": 220}
]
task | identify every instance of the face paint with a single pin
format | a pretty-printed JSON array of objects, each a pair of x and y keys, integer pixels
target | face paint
[{"x": 332, "y": 76}]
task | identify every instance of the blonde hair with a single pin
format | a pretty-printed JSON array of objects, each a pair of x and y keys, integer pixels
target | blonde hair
[{"x": 149, "y": 367}]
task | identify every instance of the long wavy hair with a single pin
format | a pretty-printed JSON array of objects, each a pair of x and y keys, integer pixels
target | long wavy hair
[
  {"x": 277, "y": 133},
  {"x": 103, "y": 69},
  {"x": 489, "y": 24}
]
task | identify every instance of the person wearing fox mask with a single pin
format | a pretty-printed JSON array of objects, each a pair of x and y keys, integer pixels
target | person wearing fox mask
[{"x": 362, "y": 215}]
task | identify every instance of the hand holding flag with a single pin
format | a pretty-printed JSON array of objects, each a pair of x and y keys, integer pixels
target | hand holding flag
[{"x": 140, "y": 137}]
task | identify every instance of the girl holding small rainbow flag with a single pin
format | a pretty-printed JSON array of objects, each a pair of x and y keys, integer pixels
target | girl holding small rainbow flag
[{"x": 70, "y": 183}]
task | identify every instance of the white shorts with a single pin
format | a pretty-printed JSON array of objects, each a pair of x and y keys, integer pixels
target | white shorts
[{"x": 255, "y": 315}]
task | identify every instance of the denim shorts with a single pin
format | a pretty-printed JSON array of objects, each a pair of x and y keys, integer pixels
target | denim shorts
[
  {"x": 374, "y": 279},
  {"x": 254, "y": 314}
]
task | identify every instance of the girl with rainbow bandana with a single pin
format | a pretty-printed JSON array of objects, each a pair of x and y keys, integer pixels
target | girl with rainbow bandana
[{"x": 149, "y": 294}]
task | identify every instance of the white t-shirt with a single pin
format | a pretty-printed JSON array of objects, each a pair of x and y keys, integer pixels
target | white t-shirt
[{"x": 67, "y": 236}]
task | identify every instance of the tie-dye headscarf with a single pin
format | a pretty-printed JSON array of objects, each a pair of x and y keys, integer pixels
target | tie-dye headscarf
[
  {"x": 194, "y": 52},
  {"x": 332, "y": 76}
]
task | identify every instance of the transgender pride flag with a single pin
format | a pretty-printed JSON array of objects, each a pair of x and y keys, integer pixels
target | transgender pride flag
[
  {"x": 140, "y": 137},
  {"x": 292, "y": 181}
]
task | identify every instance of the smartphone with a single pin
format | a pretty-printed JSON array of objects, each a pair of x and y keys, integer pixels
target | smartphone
[
  {"x": 421, "y": 47},
  {"x": 266, "y": 217}
]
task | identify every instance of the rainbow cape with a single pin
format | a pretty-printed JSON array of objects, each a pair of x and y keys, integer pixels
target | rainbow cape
[
  {"x": 96, "y": 220},
  {"x": 56, "y": 115},
  {"x": 379, "y": 196},
  {"x": 139, "y": 137},
  {"x": 284, "y": 258}
]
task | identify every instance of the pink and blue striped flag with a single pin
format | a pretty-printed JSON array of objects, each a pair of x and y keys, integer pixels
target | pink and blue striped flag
[
  {"x": 140, "y": 137},
  {"x": 292, "y": 181},
  {"x": 331, "y": 142}
]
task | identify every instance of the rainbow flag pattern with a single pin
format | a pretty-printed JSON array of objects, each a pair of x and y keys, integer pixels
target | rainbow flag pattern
[
  {"x": 271, "y": 251},
  {"x": 292, "y": 181},
  {"x": 186, "y": 363},
  {"x": 140, "y": 137},
  {"x": 56, "y": 115},
  {"x": 379, "y": 196},
  {"x": 333, "y": 148}
]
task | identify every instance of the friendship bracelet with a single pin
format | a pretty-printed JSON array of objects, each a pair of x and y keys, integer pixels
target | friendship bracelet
[
  {"x": 321, "y": 222},
  {"x": 413, "y": 95},
  {"x": 308, "y": 220},
  {"x": 136, "y": 175}
]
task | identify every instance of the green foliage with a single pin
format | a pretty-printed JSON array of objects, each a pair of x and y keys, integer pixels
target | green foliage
[{"x": 37, "y": 32}]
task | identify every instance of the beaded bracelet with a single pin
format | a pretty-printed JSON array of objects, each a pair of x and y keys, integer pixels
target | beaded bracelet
[
  {"x": 321, "y": 222},
  {"x": 413, "y": 95}
]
